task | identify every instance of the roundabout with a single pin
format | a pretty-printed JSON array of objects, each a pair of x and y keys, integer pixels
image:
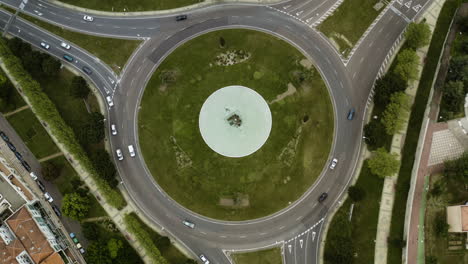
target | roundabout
[{"x": 235, "y": 153}]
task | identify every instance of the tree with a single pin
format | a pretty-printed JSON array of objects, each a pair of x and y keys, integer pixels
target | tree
[
  {"x": 79, "y": 88},
  {"x": 454, "y": 96},
  {"x": 417, "y": 35},
  {"x": 440, "y": 224},
  {"x": 457, "y": 170},
  {"x": 50, "y": 66},
  {"x": 104, "y": 166},
  {"x": 407, "y": 62},
  {"x": 90, "y": 230},
  {"x": 463, "y": 23},
  {"x": 383, "y": 164},
  {"x": 113, "y": 246},
  {"x": 456, "y": 70},
  {"x": 339, "y": 248},
  {"x": 93, "y": 130},
  {"x": 373, "y": 132},
  {"x": 97, "y": 253},
  {"x": 222, "y": 42},
  {"x": 387, "y": 85},
  {"x": 356, "y": 193},
  {"x": 431, "y": 260},
  {"x": 394, "y": 116},
  {"x": 75, "y": 206},
  {"x": 50, "y": 171}
]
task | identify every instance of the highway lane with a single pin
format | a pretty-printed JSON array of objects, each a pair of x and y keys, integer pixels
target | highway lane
[{"x": 349, "y": 86}]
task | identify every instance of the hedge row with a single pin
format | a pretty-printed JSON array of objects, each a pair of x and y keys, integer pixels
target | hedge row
[
  {"x": 46, "y": 110},
  {"x": 144, "y": 238},
  {"x": 414, "y": 127}
]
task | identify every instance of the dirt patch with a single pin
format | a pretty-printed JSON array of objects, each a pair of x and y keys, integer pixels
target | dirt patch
[
  {"x": 306, "y": 63},
  {"x": 182, "y": 158},
  {"x": 291, "y": 90},
  {"x": 232, "y": 57},
  {"x": 237, "y": 201},
  {"x": 162, "y": 88}
]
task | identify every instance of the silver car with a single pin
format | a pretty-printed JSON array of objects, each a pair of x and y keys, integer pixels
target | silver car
[
  {"x": 188, "y": 224},
  {"x": 333, "y": 163},
  {"x": 119, "y": 154},
  {"x": 88, "y": 18}
]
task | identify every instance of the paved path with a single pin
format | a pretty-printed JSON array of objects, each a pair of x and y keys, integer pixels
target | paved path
[
  {"x": 16, "y": 111},
  {"x": 388, "y": 192}
]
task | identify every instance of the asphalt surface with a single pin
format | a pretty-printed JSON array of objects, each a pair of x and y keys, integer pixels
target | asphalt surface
[{"x": 297, "y": 227}]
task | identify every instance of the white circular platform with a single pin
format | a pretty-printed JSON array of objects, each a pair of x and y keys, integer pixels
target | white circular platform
[{"x": 235, "y": 121}]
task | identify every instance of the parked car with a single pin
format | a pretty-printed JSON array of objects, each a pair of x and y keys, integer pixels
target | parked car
[
  {"x": 40, "y": 185},
  {"x": 88, "y": 18},
  {"x": 4, "y": 136},
  {"x": 188, "y": 224},
  {"x": 204, "y": 259},
  {"x": 87, "y": 70},
  {"x": 57, "y": 210},
  {"x": 322, "y": 197},
  {"x": 82, "y": 251},
  {"x": 65, "y": 45},
  {"x": 18, "y": 156},
  {"x": 78, "y": 245},
  {"x": 333, "y": 163},
  {"x": 72, "y": 235},
  {"x": 119, "y": 154},
  {"x": 48, "y": 197},
  {"x": 351, "y": 113},
  {"x": 181, "y": 17},
  {"x": 131, "y": 150},
  {"x": 26, "y": 165},
  {"x": 45, "y": 45},
  {"x": 109, "y": 101},
  {"x": 68, "y": 57},
  {"x": 33, "y": 176},
  {"x": 11, "y": 146},
  {"x": 113, "y": 130}
]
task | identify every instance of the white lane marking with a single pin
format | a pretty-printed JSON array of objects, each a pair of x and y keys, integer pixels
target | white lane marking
[
  {"x": 371, "y": 43},
  {"x": 243, "y": 236},
  {"x": 203, "y": 232},
  {"x": 281, "y": 227},
  {"x": 67, "y": 18},
  {"x": 299, "y": 218},
  {"x": 354, "y": 75},
  {"x": 223, "y": 236},
  {"x": 313, "y": 236},
  {"x": 262, "y": 234},
  {"x": 301, "y": 242}
]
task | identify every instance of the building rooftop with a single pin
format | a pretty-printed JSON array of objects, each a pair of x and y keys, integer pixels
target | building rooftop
[
  {"x": 8, "y": 193},
  {"x": 457, "y": 218},
  {"x": 29, "y": 237}
]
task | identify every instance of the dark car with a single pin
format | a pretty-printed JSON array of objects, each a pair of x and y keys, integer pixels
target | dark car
[
  {"x": 26, "y": 165},
  {"x": 41, "y": 185},
  {"x": 68, "y": 58},
  {"x": 18, "y": 156},
  {"x": 351, "y": 113},
  {"x": 322, "y": 197},
  {"x": 11, "y": 146},
  {"x": 4, "y": 136},
  {"x": 87, "y": 70},
  {"x": 181, "y": 17},
  {"x": 57, "y": 210}
]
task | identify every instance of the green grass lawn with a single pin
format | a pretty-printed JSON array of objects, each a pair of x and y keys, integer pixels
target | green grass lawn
[
  {"x": 32, "y": 133},
  {"x": 438, "y": 246},
  {"x": 10, "y": 99},
  {"x": 168, "y": 250},
  {"x": 114, "y": 52},
  {"x": 268, "y": 256},
  {"x": 414, "y": 127},
  {"x": 129, "y": 5},
  {"x": 279, "y": 172},
  {"x": 346, "y": 25},
  {"x": 363, "y": 225},
  {"x": 68, "y": 181}
]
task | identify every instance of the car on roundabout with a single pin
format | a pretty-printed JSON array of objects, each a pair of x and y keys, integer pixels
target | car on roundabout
[
  {"x": 188, "y": 224},
  {"x": 119, "y": 154},
  {"x": 322, "y": 197},
  {"x": 204, "y": 259},
  {"x": 333, "y": 163},
  {"x": 88, "y": 18}
]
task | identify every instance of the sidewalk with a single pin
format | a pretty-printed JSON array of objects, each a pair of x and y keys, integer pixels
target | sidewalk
[
  {"x": 205, "y": 3},
  {"x": 388, "y": 193},
  {"x": 16, "y": 111}
]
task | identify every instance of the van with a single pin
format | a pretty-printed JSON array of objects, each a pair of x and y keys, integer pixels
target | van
[{"x": 68, "y": 58}]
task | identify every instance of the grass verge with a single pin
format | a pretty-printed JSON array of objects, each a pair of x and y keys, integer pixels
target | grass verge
[
  {"x": 236, "y": 188},
  {"x": 346, "y": 26},
  {"x": 114, "y": 52},
  {"x": 130, "y": 5},
  {"x": 32, "y": 133},
  {"x": 362, "y": 229},
  {"x": 415, "y": 122},
  {"x": 268, "y": 256}
]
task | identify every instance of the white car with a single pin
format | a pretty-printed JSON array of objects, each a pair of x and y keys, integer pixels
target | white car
[
  {"x": 131, "y": 150},
  {"x": 88, "y": 18},
  {"x": 204, "y": 259},
  {"x": 65, "y": 45},
  {"x": 119, "y": 154},
  {"x": 33, "y": 176},
  {"x": 45, "y": 45},
  {"x": 333, "y": 163},
  {"x": 188, "y": 224},
  {"x": 113, "y": 130},
  {"x": 109, "y": 101},
  {"x": 48, "y": 197}
]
